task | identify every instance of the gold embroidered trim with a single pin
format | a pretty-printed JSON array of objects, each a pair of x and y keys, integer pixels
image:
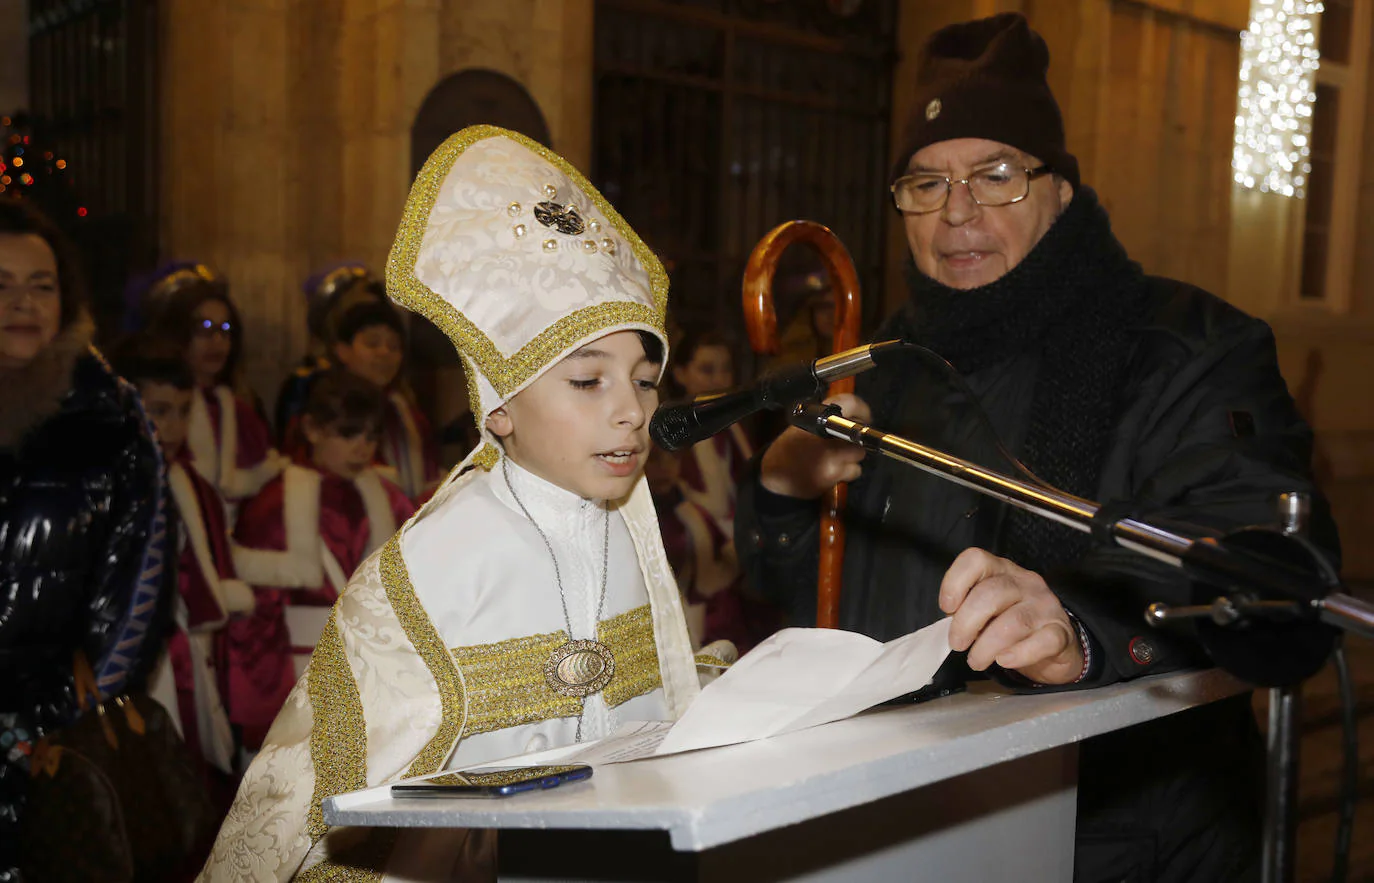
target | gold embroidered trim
[
  {"x": 419, "y": 628},
  {"x": 561, "y": 335},
  {"x": 338, "y": 739},
  {"x": 506, "y": 685},
  {"x": 507, "y": 375},
  {"x": 363, "y": 862},
  {"x": 474, "y": 393},
  {"x": 631, "y": 637},
  {"x": 486, "y": 458},
  {"x": 332, "y": 872},
  {"x": 706, "y": 660}
]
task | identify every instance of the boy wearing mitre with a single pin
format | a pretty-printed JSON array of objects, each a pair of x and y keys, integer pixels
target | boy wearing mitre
[
  {"x": 301, "y": 538},
  {"x": 209, "y": 591},
  {"x": 529, "y": 604}
]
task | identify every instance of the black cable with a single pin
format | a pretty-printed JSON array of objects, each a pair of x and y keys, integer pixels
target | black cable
[
  {"x": 951, "y": 374},
  {"x": 1350, "y": 778}
]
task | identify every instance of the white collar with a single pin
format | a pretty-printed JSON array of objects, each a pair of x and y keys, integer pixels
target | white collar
[{"x": 548, "y": 503}]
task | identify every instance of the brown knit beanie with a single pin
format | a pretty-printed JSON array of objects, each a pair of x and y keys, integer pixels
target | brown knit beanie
[{"x": 986, "y": 79}]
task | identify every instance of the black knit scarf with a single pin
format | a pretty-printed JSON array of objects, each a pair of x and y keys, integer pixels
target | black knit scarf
[{"x": 1077, "y": 299}]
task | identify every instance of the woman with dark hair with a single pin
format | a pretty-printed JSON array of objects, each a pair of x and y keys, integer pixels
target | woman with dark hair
[
  {"x": 188, "y": 305},
  {"x": 81, "y": 510}
]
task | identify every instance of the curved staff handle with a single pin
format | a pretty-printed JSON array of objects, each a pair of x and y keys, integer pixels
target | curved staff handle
[{"x": 761, "y": 319}]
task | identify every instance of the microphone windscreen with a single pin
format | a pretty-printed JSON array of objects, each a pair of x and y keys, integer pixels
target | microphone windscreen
[{"x": 671, "y": 427}]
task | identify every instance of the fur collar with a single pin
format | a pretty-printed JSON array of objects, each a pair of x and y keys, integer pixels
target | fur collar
[{"x": 32, "y": 393}]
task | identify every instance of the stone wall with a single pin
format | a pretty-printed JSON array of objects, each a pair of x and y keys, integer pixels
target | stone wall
[{"x": 286, "y": 130}]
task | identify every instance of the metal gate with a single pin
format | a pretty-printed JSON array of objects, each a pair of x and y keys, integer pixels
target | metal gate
[
  {"x": 718, "y": 119},
  {"x": 93, "y": 98}
]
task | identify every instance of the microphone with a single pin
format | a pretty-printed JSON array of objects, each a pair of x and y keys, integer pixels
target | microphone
[{"x": 678, "y": 425}]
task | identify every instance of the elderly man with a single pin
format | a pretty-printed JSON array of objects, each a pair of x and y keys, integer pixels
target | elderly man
[{"x": 1108, "y": 383}]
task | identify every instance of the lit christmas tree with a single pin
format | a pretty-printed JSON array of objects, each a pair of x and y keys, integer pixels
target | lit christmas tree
[{"x": 32, "y": 169}]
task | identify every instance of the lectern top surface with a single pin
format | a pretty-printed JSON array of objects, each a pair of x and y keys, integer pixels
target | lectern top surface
[{"x": 708, "y": 798}]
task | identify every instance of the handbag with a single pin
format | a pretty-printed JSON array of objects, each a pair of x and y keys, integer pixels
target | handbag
[{"x": 115, "y": 795}]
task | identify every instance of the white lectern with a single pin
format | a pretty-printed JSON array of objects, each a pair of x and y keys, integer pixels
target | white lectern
[{"x": 970, "y": 788}]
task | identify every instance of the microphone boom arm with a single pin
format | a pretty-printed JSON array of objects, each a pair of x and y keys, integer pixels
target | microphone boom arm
[{"x": 1204, "y": 559}]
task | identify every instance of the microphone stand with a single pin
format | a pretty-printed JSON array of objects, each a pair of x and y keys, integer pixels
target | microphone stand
[{"x": 1267, "y": 589}]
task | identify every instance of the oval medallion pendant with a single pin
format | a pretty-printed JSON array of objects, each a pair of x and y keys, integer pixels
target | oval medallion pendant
[{"x": 579, "y": 668}]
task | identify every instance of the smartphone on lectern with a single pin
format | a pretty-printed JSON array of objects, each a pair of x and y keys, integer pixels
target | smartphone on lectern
[{"x": 493, "y": 781}]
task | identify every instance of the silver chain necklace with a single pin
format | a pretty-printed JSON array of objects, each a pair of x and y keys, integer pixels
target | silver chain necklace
[{"x": 575, "y": 668}]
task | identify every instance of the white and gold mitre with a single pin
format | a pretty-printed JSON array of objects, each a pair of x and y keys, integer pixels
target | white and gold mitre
[{"x": 515, "y": 256}]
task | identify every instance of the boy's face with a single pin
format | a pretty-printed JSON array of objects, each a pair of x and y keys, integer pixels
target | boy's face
[
  {"x": 373, "y": 354},
  {"x": 584, "y": 425},
  {"x": 357, "y": 293},
  {"x": 344, "y": 456},
  {"x": 170, "y": 410}
]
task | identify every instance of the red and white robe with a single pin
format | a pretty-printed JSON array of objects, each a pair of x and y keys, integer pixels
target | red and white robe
[
  {"x": 708, "y": 575},
  {"x": 230, "y": 444},
  {"x": 209, "y": 595},
  {"x": 301, "y": 538},
  {"x": 712, "y": 584},
  {"x": 712, "y": 471}
]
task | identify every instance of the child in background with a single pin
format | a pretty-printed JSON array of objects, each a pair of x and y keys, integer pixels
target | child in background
[
  {"x": 303, "y": 536},
  {"x": 210, "y": 591},
  {"x": 329, "y": 293},
  {"x": 529, "y": 605},
  {"x": 708, "y": 480},
  {"x": 704, "y": 564},
  {"x": 713, "y": 468},
  {"x": 370, "y": 343}
]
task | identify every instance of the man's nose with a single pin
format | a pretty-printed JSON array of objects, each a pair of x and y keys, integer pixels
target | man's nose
[{"x": 960, "y": 208}]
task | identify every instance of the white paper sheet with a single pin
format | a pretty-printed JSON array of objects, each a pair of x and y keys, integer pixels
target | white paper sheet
[
  {"x": 796, "y": 679},
  {"x": 634, "y": 740},
  {"x": 801, "y": 678}
]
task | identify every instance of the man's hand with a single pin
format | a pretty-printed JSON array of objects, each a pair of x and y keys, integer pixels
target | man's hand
[
  {"x": 1008, "y": 615},
  {"x": 799, "y": 464}
]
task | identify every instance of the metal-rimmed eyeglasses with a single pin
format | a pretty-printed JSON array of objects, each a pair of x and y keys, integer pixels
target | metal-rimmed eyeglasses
[{"x": 991, "y": 186}]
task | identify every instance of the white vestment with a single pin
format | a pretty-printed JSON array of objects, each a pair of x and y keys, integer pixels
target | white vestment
[{"x": 433, "y": 659}]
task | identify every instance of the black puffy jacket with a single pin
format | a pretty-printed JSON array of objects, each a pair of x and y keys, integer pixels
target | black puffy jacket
[{"x": 81, "y": 548}]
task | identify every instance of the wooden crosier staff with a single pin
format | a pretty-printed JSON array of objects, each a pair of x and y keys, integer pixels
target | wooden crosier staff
[{"x": 761, "y": 318}]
